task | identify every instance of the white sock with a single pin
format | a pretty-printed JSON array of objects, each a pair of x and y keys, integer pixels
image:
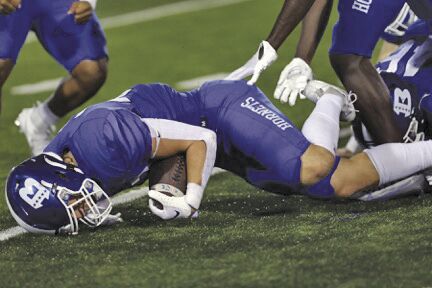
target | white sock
[
  {"x": 395, "y": 161},
  {"x": 322, "y": 126},
  {"x": 46, "y": 115}
]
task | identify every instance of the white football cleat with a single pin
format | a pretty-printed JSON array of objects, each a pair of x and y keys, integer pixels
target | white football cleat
[
  {"x": 36, "y": 131},
  {"x": 315, "y": 89}
]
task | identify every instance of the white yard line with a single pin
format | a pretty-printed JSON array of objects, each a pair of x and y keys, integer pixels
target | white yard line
[
  {"x": 157, "y": 13},
  {"x": 196, "y": 82},
  {"x": 11, "y": 233},
  {"x": 51, "y": 85},
  {"x": 38, "y": 87}
]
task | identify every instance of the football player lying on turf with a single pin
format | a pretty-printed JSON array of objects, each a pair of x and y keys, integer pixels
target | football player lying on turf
[{"x": 110, "y": 146}]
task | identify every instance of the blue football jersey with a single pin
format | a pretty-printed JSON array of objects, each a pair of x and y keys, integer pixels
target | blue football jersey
[
  {"x": 110, "y": 143},
  {"x": 407, "y": 73}
]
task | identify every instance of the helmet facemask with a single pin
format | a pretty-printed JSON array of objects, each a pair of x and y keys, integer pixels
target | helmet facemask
[{"x": 96, "y": 203}]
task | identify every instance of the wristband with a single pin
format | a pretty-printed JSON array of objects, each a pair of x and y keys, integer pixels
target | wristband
[{"x": 194, "y": 194}]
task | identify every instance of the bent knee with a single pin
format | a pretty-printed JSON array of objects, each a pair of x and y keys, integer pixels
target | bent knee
[
  {"x": 344, "y": 191},
  {"x": 317, "y": 162},
  {"x": 89, "y": 72}
]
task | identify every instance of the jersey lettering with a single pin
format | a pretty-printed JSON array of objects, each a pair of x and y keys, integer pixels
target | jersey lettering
[
  {"x": 265, "y": 112},
  {"x": 362, "y": 5}
]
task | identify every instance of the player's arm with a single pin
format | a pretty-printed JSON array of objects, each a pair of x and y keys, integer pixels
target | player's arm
[
  {"x": 82, "y": 10},
  {"x": 199, "y": 145},
  {"x": 9, "y": 6},
  {"x": 195, "y": 151},
  {"x": 313, "y": 28},
  {"x": 293, "y": 11},
  {"x": 295, "y": 76}
]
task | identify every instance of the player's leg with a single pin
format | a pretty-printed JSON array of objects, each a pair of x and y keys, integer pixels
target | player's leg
[
  {"x": 83, "y": 82},
  {"x": 81, "y": 49},
  {"x": 354, "y": 38},
  {"x": 381, "y": 165},
  {"x": 260, "y": 144},
  {"x": 359, "y": 75},
  {"x": 6, "y": 66},
  {"x": 13, "y": 32}
]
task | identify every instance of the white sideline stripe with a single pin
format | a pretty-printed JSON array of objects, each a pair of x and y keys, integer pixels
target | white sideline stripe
[
  {"x": 196, "y": 82},
  {"x": 118, "y": 200},
  {"x": 157, "y": 13},
  {"x": 38, "y": 87},
  {"x": 52, "y": 84},
  {"x": 11, "y": 233}
]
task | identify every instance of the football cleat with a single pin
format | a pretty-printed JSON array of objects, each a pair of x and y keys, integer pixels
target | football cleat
[
  {"x": 316, "y": 89},
  {"x": 417, "y": 184},
  {"x": 37, "y": 132},
  {"x": 46, "y": 195}
]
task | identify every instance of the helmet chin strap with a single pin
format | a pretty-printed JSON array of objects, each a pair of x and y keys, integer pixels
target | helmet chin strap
[{"x": 66, "y": 230}]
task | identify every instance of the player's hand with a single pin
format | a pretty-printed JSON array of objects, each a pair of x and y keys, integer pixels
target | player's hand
[
  {"x": 82, "y": 10},
  {"x": 260, "y": 61},
  {"x": 293, "y": 81},
  {"x": 9, "y": 6},
  {"x": 172, "y": 207}
]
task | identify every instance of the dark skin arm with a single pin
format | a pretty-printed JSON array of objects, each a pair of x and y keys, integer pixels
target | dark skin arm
[
  {"x": 293, "y": 11},
  {"x": 313, "y": 27}
]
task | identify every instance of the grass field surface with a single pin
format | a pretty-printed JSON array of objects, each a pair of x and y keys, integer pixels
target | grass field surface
[{"x": 244, "y": 237}]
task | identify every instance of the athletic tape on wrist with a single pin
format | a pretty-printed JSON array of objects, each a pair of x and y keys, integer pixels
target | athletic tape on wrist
[{"x": 194, "y": 194}]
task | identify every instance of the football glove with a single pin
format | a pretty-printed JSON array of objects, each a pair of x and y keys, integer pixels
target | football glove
[
  {"x": 292, "y": 81},
  {"x": 259, "y": 62},
  {"x": 172, "y": 207}
]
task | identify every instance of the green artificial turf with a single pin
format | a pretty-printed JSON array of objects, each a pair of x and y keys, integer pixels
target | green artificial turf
[{"x": 244, "y": 237}]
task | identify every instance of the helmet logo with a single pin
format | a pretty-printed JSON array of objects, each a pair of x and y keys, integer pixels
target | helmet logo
[
  {"x": 402, "y": 102},
  {"x": 33, "y": 193}
]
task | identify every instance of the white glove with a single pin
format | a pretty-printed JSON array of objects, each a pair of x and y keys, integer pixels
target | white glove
[
  {"x": 172, "y": 207},
  {"x": 112, "y": 220},
  {"x": 293, "y": 81},
  {"x": 262, "y": 59}
]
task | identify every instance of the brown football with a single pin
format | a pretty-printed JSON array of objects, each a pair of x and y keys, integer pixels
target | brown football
[{"x": 169, "y": 172}]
